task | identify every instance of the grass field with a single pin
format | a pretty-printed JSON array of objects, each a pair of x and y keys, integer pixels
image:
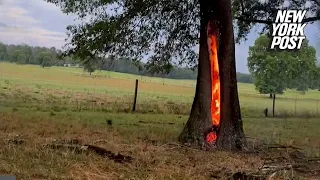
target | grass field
[
  {"x": 39, "y": 106},
  {"x": 32, "y": 83}
]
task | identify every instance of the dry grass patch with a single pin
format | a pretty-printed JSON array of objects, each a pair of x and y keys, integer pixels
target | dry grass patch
[
  {"x": 31, "y": 160},
  {"x": 23, "y": 152}
]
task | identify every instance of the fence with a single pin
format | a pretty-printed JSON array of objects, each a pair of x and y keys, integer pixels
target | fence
[{"x": 151, "y": 97}]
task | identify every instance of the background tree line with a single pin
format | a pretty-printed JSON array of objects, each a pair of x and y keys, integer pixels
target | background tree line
[
  {"x": 274, "y": 72},
  {"x": 46, "y": 57},
  {"x": 25, "y": 54}
]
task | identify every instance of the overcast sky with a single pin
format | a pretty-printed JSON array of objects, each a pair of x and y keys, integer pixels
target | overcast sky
[{"x": 38, "y": 23}]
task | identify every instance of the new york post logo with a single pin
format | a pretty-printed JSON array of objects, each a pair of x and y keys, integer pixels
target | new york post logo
[{"x": 288, "y": 30}]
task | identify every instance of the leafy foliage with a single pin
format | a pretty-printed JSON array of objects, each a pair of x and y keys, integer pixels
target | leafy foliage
[
  {"x": 45, "y": 58},
  {"x": 89, "y": 67},
  {"x": 165, "y": 32},
  {"x": 274, "y": 71},
  {"x": 24, "y": 54}
]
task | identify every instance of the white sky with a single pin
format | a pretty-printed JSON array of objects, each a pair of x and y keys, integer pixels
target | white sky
[{"x": 38, "y": 23}]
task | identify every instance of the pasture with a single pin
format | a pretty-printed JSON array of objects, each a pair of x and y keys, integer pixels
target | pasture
[{"x": 39, "y": 106}]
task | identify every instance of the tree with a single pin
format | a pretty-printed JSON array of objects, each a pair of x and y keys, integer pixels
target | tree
[
  {"x": 3, "y": 52},
  {"x": 166, "y": 32},
  {"x": 314, "y": 78},
  {"x": 45, "y": 59},
  {"x": 216, "y": 25},
  {"x": 27, "y": 53},
  {"x": 89, "y": 66},
  {"x": 267, "y": 68},
  {"x": 274, "y": 71},
  {"x": 18, "y": 56},
  {"x": 304, "y": 68},
  {"x": 244, "y": 78}
]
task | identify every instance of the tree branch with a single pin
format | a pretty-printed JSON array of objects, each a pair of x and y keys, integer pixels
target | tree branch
[
  {"x": 311, "y": 19},
  {"x": 306, "y": 20},
  {"x": 254, "y": 20},
  {"x": 317, "y": 2},
  {"x": 242, "y": 6}
]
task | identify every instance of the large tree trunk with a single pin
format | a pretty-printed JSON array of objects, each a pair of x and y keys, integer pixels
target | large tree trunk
[{"x": 230, "y": 135}]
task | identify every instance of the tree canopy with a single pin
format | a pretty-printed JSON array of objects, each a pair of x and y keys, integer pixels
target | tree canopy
[
  {"x": 274, "y": 71},
  {"x": 45, "y": 58},
  {"x": 165, "y": 32}
]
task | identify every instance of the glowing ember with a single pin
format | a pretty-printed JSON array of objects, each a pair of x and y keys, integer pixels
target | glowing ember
[
  {"x": 211, "y": 137},
  {"x": 215, "y": 84}
]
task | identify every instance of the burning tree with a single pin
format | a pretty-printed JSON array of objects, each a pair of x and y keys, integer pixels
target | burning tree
[
  {"x": 215, "y": 114},
  {"x": 166, "y": 32}
]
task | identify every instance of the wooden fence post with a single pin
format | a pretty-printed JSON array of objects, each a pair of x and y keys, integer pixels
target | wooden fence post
[
  {"x": 274, "y": 103},
  {"x": 135, "y": 96}
]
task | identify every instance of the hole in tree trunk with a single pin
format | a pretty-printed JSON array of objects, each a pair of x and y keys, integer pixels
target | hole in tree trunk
[
  {"x": 215, "y": 117},
  {"x": 215, "y": 84}
]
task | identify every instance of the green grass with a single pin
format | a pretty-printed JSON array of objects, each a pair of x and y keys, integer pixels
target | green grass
[
  {"x": 39, "y": 105},
  {"x": 117, "y": 88}
]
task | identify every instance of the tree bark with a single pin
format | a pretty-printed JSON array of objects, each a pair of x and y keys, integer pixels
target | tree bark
[
  {"x": 230, "y": 134},
  {"x": 199, "y": 121}
]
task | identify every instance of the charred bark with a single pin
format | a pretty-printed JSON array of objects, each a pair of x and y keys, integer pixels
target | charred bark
[{"x": 230, "y": 135}]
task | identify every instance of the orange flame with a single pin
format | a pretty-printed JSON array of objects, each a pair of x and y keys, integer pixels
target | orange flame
[{"x": 215, "y": 84}]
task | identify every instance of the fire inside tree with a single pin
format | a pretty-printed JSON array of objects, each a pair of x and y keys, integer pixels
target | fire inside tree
[
  {"x": 215, "y": 85},
  {"x": 215, "y": 118}
]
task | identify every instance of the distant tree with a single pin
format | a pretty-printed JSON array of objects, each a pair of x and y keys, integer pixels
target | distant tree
[
  {"x": 27, "y": 53},
  {"x": 244, "y": 78},
  {"x": 266, "y": 68},
  {"x": 18, "y": 56},
  {"x": 3, "y": 52},
  {"x": 21, "y": 57},
  {"x": 304, "y": 67},
  {"x": 90, "y": 66},
  {"x": 274, "y": 71},
  {"x": 45, "y": 59},
  {"x": 314, "y": 78}
]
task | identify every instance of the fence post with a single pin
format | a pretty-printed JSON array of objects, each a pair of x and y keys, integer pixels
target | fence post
[
  {"x": 274, "y": 103},
  {"x": 135, "y": 96}
]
